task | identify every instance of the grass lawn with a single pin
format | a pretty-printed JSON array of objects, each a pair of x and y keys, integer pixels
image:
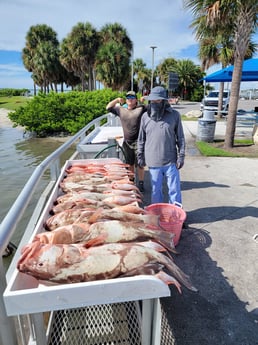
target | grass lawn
[
  {"x": 242, "y": 148},
  {"x": 13, "y": 102}
]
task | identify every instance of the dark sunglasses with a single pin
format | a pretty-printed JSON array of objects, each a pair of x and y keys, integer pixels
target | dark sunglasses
[{"x": 130, "y": 97}]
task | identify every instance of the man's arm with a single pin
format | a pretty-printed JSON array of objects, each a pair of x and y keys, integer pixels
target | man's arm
[
  {"x": 113, "y": 103},
  {"x": 141, "y": 145},
  {"x": 180, "y": 144}
]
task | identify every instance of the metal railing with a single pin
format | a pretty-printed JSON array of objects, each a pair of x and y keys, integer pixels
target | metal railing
[{"x": 14, "y": 215}]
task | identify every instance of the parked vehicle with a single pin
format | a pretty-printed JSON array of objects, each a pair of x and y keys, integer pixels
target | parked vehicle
[{"x": 210, "y": 102}]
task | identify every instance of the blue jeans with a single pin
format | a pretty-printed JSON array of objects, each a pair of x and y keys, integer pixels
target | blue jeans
[{"x": 171, "y": 173}]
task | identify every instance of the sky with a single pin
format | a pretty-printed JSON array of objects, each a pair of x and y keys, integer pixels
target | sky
[{"x": 164, "y": 24}]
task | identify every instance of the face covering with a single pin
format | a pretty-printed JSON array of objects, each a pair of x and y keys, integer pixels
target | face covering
[{"x": 156, "y": 111}]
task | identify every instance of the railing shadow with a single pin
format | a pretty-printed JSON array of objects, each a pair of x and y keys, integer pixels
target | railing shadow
[
  {"x": 188, "y": 185},
  {"x": 215, "y": 213}
]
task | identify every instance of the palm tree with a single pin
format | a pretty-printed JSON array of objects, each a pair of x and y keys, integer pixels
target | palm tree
[
  {"x": 46, "y": 64},
  {"x": 188, "y": 75},
  {"x": 222, "y": 52},
  {"x": 112, "y": 66},
  {"x": 163, "y": 69},
  {"x": 40, "y": 54},
  {"x": 78, "y": 51},
  {"x": 113, "y": 58},
  {"x": 116, "y": 32},
  {"x": 244, "y": 13},
  {"x": 238, "y": 20},
  {"x": 217, "y": 48}
]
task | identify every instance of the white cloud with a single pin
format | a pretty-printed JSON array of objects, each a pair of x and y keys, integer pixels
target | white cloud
[
  {"x": 164, "y": 23},
  {"x": 11, "y": 69},
  {"x": 14, "y": 76}
]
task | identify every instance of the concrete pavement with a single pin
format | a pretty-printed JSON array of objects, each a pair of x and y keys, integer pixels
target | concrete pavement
[{"x": 218, "y": 250}]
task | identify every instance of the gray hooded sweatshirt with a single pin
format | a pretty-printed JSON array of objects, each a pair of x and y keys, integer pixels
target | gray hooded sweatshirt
[{"x": 161, "y": 142}]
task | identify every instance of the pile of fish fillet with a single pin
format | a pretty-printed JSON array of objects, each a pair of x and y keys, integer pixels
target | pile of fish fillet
[{"x": 96, "y": 230}]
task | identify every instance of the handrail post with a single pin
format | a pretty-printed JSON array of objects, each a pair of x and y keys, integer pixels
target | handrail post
[
  {"x": 55, "y": 169},
  {"x": 7, "y": 328}
]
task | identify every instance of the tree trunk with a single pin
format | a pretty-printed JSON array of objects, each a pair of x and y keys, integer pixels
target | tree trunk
[
  {"x": 233, "y": 103},
  {"x": 83, "y": 82},
  {"x": 220, "y": 102},
  {"x": 94, "y": 79},
  {"x": 90, "y": 79}
]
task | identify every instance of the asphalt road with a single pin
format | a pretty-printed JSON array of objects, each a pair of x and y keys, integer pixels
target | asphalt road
[{"x": 183, "y": 107}]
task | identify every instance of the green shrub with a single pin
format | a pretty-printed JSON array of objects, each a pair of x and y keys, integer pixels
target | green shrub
[
  {"x": 53, "y": 113},
  {"x": 13, "y": 92}
]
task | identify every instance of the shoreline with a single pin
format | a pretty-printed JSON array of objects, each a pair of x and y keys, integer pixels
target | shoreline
[
  {"x": 5, "y": 122},
  {"x": 4, "y": 119}
]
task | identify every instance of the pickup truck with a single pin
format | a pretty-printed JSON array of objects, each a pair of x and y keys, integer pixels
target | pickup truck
[{"x": 210, "y": 102}]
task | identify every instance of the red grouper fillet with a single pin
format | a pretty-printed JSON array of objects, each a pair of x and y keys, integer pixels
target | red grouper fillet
[{"x": 74, "y": 263}]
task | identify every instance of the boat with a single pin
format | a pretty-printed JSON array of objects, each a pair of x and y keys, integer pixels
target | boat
[{"x": 106, "y": 311}]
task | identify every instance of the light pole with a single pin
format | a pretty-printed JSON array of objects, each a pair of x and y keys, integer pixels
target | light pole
[
  {"x": 152, "y": 69},
  {"x": 132, "y": 71}
]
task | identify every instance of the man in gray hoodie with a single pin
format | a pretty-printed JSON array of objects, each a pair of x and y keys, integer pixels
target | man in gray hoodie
[{"x": 161, "y": 146}]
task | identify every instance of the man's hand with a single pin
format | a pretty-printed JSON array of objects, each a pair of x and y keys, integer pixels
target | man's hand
[
  {"x": 180, "y": 163},
  {"x": 120, "y": 100}
]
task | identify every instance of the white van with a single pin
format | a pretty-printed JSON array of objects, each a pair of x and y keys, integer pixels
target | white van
[{"x": 210, "y": 102}]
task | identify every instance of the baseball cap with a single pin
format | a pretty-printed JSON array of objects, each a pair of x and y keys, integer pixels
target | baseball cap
[{"x": 130, "y": 94}]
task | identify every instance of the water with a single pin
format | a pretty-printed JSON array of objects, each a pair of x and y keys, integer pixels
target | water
[{"x": 18, "y": 159}]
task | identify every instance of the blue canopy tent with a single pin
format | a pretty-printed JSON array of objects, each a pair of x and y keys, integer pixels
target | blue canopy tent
[{"x": 249, "y": 73}]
